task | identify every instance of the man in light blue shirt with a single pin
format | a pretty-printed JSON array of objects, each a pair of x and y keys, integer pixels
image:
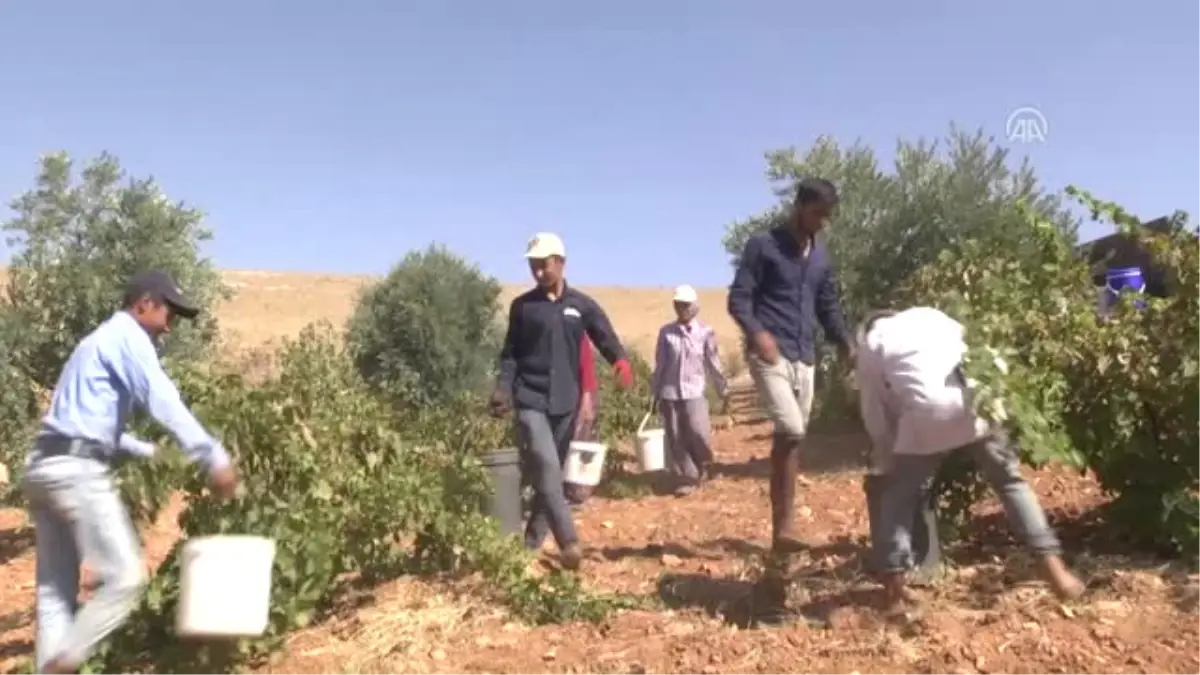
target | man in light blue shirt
[{"x": 74, "y": 504}]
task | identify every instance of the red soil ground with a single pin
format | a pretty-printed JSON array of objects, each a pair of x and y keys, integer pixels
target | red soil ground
[{"x": 699, "y": 556}]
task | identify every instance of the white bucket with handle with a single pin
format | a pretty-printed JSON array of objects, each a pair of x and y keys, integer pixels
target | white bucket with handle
[
  {"x": 651, "y": 447},
  {"x": 585, "y": 463},
  {"x": 225, "y": 591}
]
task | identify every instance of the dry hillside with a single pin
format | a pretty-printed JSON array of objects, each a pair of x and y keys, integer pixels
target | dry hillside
[{"x": 270, "y": 305}]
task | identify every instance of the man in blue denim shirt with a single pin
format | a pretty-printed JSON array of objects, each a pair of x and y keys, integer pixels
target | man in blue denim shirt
[
  {"x": 73, "y": 502},
  {"x": 783, "y": 286}
]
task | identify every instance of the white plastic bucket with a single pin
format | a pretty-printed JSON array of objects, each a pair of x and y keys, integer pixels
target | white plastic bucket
[
  {"x": 585, "y": 463},
  {"x": 226, "y": 587},
  {"x": 651, "y": 446}
]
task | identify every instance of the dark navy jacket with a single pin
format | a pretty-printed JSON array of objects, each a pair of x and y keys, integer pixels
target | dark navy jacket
[
  {"x": 539, "y": 363},
  {"x": 779, "y": 290}
]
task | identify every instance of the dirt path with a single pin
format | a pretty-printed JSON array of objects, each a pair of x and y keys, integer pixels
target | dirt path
[{"x": 699, "y": 556}]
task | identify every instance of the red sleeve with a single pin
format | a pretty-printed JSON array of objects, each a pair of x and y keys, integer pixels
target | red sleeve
[{"x": 587, "y": 366}]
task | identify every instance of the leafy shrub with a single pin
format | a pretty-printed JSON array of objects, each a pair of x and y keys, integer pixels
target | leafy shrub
[
  {"x": 19, "y": 407},
  {"x": 1134, "y": 413},
  {"x": 1005, "y": 302},
  {"x": 1115, "y": 394},
  {"x": 619, "y": 413},
  {"x": 348, "y": 488},
  {"x": 429, "y": 330}
]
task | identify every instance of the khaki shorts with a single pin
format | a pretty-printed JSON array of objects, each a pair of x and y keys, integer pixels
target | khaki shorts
[{"x": 785, "y": 390}]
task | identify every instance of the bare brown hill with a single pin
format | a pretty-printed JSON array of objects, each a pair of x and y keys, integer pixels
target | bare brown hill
[
  {"x": 267, "y": 306},
  {"x": 272, "y": 305}
]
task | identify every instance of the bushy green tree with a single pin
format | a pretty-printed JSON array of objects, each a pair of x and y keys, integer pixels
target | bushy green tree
[
  {"x": 78, "y": 240},
  {"x": 428, "y": 331},
  {"x": 892, "y": 221}
]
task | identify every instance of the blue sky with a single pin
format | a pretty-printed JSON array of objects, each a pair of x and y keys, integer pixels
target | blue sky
[{"x": 328, "y": 136}]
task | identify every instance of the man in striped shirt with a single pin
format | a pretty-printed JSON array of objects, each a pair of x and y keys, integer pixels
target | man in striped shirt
[{"x": 686, "y": 352}]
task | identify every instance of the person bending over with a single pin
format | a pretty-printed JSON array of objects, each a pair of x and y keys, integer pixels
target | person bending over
[{"x": 915, "y": 400}]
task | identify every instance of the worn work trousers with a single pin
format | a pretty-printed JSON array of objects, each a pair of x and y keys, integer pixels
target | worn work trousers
[
  {"x": 78, "y": 516},
  {"x": 545, "y": 440},
  {"x": 908, "y": 482},
  {"x": 688, "y": 436}
]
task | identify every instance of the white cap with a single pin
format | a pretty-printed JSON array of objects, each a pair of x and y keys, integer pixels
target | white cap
[
  {"x": 686, "y": 294},
  {"x": 543, "y": 245}
]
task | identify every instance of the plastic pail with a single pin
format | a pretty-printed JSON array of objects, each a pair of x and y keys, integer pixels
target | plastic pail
[
  {"x": 1121, "y": 279},
  {"x": 651, "y": 446},
  {"x": 504, "y": 504},
  {"x": 585, "y": 463},
  {"x": 226, "y": 586}
]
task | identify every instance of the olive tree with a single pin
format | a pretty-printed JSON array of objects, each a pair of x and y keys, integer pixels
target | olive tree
[
  {"x": 78, "y": 239},
  {"x": 893, "y": 221}
]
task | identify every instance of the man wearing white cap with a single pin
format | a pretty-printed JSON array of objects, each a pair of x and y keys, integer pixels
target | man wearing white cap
[
  {"x": 685, "y": 353},
  {"x": 539, "y": 376}
]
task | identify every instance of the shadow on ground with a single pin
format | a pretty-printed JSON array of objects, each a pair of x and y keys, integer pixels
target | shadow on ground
[
  {"x": 821, "y": 455},
  {"x": 631, "y": 485},
  {"x": 814, "y": 583},
  {"x": 15, "y": 542},
  {"x": 730, "y": 599}
]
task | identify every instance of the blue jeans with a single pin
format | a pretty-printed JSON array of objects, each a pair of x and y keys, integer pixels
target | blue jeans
[
  {"x": 908, "y": 482},
  {"x": 78, "y": 515}
]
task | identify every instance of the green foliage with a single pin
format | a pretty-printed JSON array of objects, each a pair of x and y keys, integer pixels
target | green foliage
[
  {"x": 77, "y": 245},
  {"x": 428, "y": 331},
  {"x": 77, "y": 242},
  {"x": 619, "y": 413},
  {"x": 1135, "y": 412},
  {"x": 351, "y": 486},
  {"x": 892, "y": 221},
  {"x": 1007, "y": 302},
  {"x": 18, "y": 413},
  {"x": 621, "y": 410},
  {"x": 348, "y": 488},
  {"x": 1116, "y": 394}
]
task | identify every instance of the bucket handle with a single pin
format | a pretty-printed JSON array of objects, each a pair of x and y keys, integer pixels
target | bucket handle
[
  {"x": 1136, "y": 289},
  {"x": 642, "y": 426}
]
